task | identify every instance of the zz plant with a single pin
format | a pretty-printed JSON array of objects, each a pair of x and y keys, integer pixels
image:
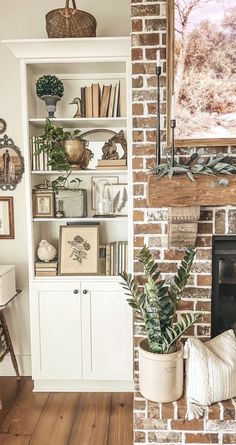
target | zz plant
[{"x": 156, "y": 303}]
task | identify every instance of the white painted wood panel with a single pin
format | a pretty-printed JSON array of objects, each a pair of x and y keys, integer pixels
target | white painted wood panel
[
  {"x": 56, "y": 327},
  {"x": 82, "y": 336},
  {"x": 107, "y": 332},
  {"x": 49, "y": 49}
]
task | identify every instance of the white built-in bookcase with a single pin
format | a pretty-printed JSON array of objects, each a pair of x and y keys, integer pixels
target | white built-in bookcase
[{"x": 77, "y": 62}]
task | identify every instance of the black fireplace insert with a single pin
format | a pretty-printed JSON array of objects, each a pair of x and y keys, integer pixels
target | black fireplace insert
[{"x": 223, "y": 303}]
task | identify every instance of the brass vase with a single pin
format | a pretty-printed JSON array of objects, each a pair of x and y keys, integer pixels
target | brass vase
[{"x": 75, "y": 150}]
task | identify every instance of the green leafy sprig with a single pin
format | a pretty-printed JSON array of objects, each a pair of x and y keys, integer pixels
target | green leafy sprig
[
  {"x": 61, "y": 182},
  {"x": 212, "y": 166}
]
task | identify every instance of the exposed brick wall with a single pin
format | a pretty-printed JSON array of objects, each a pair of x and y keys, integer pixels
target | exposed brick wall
[
  {"x": 158, "y": 423},
  {"x": 155, "y": 423}
]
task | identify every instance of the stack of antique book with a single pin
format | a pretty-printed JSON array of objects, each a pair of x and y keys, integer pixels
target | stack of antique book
[
  {"x": 112, "y": 164},
  {"x": 43, "y": 269}
]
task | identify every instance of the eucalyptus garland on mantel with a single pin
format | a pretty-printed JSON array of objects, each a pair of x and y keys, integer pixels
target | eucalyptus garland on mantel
[{"x": 213, "y": 165}]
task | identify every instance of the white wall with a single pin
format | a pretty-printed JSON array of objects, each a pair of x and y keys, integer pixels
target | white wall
[{"x": 26, "y": 19}]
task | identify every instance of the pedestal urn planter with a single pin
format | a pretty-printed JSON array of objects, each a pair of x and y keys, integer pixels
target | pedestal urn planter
[
  {"x": 160, "y": 375},
  {"x": 51, "y": 104},
  {"x": 50, "y": 89}
]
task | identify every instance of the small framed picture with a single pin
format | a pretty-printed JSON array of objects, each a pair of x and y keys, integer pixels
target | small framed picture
[
  {"x": 6, "y": 217},
  {"x": 78, "y": 249},
  {"x": 99, "y": 183},
  {"x": 119, "y": 199},
  {"x": 43, "y": 203}
]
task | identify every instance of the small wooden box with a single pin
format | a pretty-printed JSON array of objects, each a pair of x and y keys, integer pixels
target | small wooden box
[{"x": 7, "y": 283}]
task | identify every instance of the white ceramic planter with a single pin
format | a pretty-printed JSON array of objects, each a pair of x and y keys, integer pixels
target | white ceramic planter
[{"x": 160, "y": 375}]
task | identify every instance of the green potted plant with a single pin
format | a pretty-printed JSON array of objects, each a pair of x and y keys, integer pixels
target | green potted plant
[
  {"x": 64, "y": 149},
  {"x": 161, "y": 353},
  {"x": 50, "y": 89}
]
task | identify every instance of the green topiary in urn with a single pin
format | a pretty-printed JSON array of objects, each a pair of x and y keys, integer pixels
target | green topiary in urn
[{"x": 50, "y": 89}]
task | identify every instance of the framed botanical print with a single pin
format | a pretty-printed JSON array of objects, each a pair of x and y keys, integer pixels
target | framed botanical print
[
  {"x": 201, "y": 71},
  {"x": 78, "y": 249},
  {"x": 6, "y": 217},
  {"x": 43, "y": 203}
]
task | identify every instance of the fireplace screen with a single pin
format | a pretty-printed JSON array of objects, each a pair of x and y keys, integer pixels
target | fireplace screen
[{"x": 223, "y": 284}]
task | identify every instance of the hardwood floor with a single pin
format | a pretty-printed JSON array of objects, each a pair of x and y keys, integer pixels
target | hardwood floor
[{"x": 29, "y": 418}]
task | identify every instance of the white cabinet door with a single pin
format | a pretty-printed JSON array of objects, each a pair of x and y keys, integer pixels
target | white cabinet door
[
  {"x": 56, "y": 330},
  {"x": 106, "y": 332}
]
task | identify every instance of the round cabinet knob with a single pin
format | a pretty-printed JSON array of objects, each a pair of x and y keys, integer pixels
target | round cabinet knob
[
  {"x": 85, "y": 291},
  {"x": 75, "y": 291}
]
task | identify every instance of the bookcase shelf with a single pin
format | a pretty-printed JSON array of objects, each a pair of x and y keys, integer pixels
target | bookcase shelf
[
  {"x": 88, "y": 172},
  {"x": 77, "y": 73},
  {"x": 92, "y": 278},
  {"x": 88, "y": 69},
  {"x": 85, "y": 220},
  {"x": 99, "y": 122}
]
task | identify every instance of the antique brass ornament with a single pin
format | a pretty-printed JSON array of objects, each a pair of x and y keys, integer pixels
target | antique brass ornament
[
  {"x": 109, "y": 149},
  {"x": 11, "y": 164}
]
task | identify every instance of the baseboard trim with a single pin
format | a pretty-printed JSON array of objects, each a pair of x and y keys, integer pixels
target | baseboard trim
[
  {"x": 83, "y": 386},
  {"x": 24, "y": 365}
]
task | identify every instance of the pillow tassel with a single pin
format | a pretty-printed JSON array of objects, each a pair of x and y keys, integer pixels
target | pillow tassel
[{"x": 194, "y": 411}]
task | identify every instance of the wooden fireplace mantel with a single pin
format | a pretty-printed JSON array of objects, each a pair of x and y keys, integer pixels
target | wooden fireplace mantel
[
  {"x": 184, "y": 198},
  {"x": 207, "y": 190}
]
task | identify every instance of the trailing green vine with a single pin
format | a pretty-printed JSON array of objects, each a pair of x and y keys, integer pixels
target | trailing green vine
[
  {"x": 62, "y": 182},
  {"x": 51, "y": 142}
]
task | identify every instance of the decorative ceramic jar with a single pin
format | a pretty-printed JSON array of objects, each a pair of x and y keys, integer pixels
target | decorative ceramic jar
[
  {"x": 46, "y": 252},
  {"x": 160, "y": 375}
]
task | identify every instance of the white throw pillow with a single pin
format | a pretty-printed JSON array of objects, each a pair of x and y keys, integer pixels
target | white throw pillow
[{"x": 210, "y": 371}]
